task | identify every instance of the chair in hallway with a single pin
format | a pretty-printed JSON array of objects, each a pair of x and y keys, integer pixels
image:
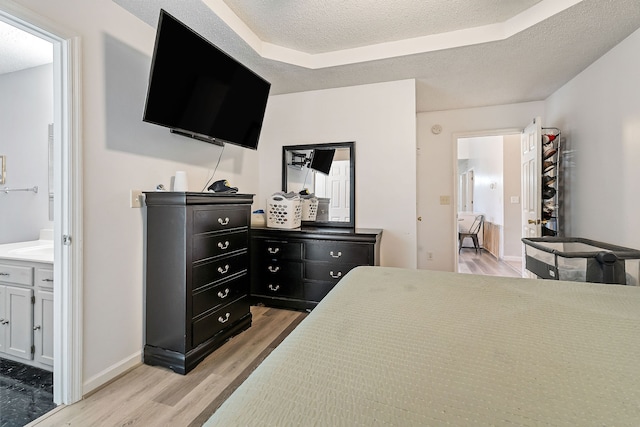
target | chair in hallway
[{"x": 473, "y": 231}]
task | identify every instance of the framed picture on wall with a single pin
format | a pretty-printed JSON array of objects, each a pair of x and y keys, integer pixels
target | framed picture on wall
[{"x": 3, "y": 168}]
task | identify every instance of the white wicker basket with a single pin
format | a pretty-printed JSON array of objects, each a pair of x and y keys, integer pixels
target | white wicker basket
[
  {"x": 283, "y": 212},
  {"x": 309, "y": 209}
]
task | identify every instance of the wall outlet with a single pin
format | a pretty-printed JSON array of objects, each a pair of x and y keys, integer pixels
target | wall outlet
[{"x": 136, "y": 198}]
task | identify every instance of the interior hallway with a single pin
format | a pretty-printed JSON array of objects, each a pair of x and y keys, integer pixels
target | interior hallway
[{"x": 485, "y": 264}]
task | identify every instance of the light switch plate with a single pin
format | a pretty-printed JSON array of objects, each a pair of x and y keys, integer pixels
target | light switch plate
[
  {"x": 515, "y": 199},
  {"x": 136, "y": 198},
  {"x": 445, "y": 200}
]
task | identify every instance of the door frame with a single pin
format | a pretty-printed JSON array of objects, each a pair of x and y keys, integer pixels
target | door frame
[
  {"x": 455, "y": 137},
  {"x": 68, "y": 206}
]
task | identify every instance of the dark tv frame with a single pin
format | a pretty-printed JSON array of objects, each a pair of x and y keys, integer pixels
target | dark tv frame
[{"x": 209, "y": 138}]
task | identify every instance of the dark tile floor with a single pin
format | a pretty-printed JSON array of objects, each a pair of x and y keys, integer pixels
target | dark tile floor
[{"x": 26, "y": 393}]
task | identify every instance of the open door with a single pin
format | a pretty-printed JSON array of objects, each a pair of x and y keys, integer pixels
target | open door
[{"x": 530, "y": 156}]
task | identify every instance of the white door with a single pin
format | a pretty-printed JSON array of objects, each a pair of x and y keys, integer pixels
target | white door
[
  {"x": 530, "y": 155},
  {"x": 335, "y": 186}
]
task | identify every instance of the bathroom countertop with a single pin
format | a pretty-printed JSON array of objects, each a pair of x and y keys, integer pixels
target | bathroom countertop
[{"x": 33, "y": 251}]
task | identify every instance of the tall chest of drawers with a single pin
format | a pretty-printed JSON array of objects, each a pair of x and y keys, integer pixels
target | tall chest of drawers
[
  {"x": 297, "y": 268},
  {"x": 197, "y": 281}
]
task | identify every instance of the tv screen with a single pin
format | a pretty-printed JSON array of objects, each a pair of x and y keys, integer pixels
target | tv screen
[
  {"x": 197, "y": 90},
  {"x": 322, "y": 160}
]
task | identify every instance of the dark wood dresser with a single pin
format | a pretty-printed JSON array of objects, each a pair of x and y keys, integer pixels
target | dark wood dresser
[
  {"x": 197, "y": 280},
  {"x": 297, "y": 268}
]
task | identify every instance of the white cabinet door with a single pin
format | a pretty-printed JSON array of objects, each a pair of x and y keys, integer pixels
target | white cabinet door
[
  {"x": 18, "y": 323},
  {"x": 3, "y": 318},
  {"x": 43, "y": 327}
]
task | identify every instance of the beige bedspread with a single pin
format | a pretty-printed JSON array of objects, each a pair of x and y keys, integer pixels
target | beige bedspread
[{"x": 408, "y": 347}]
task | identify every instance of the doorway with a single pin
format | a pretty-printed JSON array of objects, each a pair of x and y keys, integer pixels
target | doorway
[
  {"x": 67, "y": 203},
  {"x": 487, "y": 171}
]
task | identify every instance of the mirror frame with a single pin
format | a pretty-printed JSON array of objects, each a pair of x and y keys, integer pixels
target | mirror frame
[{"x": 352, "y": 179}]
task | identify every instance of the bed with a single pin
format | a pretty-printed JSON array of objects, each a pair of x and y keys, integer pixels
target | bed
[{"x": 393, "y": 346}]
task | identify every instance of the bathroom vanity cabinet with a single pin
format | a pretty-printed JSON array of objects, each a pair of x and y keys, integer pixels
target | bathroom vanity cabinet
[
  {"x": 26, "y": 312},
  {"x": 197, "y": 283}
]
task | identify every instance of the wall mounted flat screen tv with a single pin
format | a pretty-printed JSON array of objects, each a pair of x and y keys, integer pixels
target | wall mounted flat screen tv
[
  {"x": 321, "y": 160},
  {"x": 197, "y": 90}
]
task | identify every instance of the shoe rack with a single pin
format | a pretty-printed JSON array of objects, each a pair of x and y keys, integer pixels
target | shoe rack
[{"x": 550, "y": 188}]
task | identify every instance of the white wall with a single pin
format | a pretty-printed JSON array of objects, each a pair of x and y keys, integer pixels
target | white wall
[
  {"x": 436, "y": 232},
  {"x": 599, "y": 115},
  {"x": 380, "y": 118},
  {"x": 512, "y": 187},
  {"x": 122, "y": 153},
  {"x": 26, "y": 109},
  {"x": 485, "y": 158}
]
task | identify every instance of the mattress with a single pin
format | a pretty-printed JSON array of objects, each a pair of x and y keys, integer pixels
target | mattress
[{"x": 392, "y": 346}]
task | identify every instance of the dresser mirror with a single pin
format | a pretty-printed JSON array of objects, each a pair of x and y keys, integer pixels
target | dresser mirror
[{"x": 304, "y": 167}]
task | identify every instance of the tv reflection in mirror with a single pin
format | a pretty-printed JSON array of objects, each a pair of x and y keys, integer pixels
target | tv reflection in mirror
[
  {"x": 326, "y": 171},
  {"x": 322, "y": 160}
]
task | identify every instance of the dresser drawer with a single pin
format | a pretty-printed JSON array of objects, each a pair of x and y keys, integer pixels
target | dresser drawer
[
  {"x": 354, "y": 253},
  {"x": 270, "y": 270},
  {"x": 285, "y": 283},
  {"x": 215, "y": 244},
  {"x": 19, "y": 275},
  {"x": 205, "y": 220},
  {"x": 211, "y": 297},
  {"x": 210, "y": 324},
  {"x": 278, "y": 289},
  {"x": 213, "y": 271},
  {"x": 325, "y": 271},
  {"x": 274, "y": 249},
  {"x": 315, "y": 291},
  {"x": 44, "y": 277}
]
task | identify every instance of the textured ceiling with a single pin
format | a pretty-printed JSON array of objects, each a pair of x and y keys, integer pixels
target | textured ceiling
[
  {"x": 316, "y": 26},
  {"x": 525, "y": 65},
  {"x": 20, "y": 50}
]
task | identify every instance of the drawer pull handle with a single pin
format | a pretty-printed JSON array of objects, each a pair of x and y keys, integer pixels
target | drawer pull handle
[
  {"x": 223, "y": 221},
  {"x": 5, "y": 274},
  {"x": 223, "y": 270},
  {"x": 274, "y": 269},
  {"x": 224, "y": 319},
  {"x": 35, "y": 328},
  {"x": 274, "y": 288},
  {"x": 4, "y": 322},
  {"x": 273, "y": 251},
  {"x": 47, "y": 280},
  {"x": 224, "y": 245},
  {"x": 225, "y": 294},
  {"x": 335, "y": 256},
  {"x": 336, "y": 276}
]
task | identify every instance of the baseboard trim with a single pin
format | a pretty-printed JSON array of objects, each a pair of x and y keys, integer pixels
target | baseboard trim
[
  {"x": 512, "y": 258},
  {"x": 111, "y": 373}
]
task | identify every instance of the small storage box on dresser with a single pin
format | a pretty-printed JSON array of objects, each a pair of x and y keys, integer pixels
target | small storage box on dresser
[{"x": 197, "y": 282}]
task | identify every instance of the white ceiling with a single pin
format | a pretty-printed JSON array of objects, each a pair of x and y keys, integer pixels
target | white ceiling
[
  {"x": 462, "y": 53},
  {"x": 319, "y": 26},
  {"x": 20, "y": 50}
]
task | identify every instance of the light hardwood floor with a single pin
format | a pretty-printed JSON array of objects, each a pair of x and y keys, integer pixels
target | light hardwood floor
[
  {"x": 153, "y": 396},
  {"x": 485, "y": 264}
]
